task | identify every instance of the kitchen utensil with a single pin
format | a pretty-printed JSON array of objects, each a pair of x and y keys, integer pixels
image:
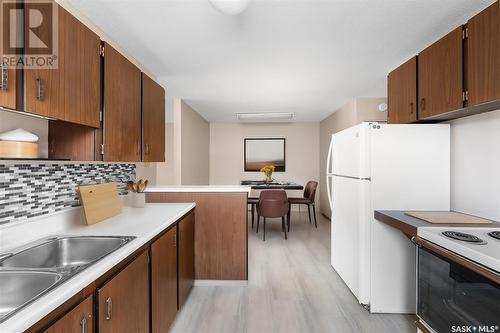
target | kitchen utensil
[
  {"x": 444, "y": 217},
  {"x": 100, "y": 202},
  {"x": 17, "y": 149}
]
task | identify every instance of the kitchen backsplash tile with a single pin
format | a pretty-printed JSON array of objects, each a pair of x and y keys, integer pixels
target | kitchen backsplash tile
[{"x": 29, "y": 190}]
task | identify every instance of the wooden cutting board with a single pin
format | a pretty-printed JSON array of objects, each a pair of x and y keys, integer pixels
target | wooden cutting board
[
  {"x": 448, "y": 218},
  {"x": 100, "y": 202}
]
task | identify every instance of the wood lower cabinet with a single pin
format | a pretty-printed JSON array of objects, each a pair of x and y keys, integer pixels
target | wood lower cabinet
[
  {"x": 155, "y": 277},
  {"x": 186, "y": 229},
  {"x": 402, "y": 93},
  {"x": 123, "y": 301},
  {"x": 221, "y": 233},
  {"x": 483, "y": 56},
  {"x": 153, "y": 121},
  {"x": 440, "y": 79},
  {"x": 71, "y": 91},
  {"x": 79, "y": 320},
  {"x": 164, "y": 281},
  {"x": 122, "y": 108}
]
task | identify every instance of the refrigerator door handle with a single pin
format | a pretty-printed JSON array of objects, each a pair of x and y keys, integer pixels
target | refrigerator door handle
[{"x": 329, "y": 175}]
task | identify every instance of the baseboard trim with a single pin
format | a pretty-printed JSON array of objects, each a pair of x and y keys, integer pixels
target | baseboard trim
[{"x": 220, "y": 283}]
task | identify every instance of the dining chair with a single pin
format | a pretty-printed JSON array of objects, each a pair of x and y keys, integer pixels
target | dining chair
[
  {"x": 253, "y": 201},
  {"x": 272, "y": 204},
  {"x": 308, "y": 199}
]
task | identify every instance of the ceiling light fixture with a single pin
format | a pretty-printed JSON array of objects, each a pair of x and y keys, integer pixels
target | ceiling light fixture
[
  {"x": 230, "y": 7},
  {"x": 265, "y": 116}
]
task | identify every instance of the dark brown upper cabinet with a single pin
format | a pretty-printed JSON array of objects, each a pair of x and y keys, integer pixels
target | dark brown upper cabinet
[
  {"x": 72, "y": 91},
  {"x": 440, "y": 79},
  {"x": 164, "y": 281},
  {"x": 123, "y": 302},
  {"x": 402, "y": 93},
  {"x": 122, "y": 108},
  {"x": 483, "y": 56},
  {"x": 10, "y": 78},
  {"x": 153, "y": 121}
]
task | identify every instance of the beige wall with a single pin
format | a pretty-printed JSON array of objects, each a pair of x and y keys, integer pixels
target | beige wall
[
  {"x": 186, "y": 150},
  {"x": 354, "y": 112},
  {"x": 195, "y": 134},
  {"x": 227, "y": 154},
  {"x": 165, "y": 174}
]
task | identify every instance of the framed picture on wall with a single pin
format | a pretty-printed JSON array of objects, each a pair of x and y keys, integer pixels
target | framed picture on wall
[{"x": 263, "y": 151}]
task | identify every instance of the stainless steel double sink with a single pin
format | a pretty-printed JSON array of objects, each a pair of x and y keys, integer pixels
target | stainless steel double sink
[{"x": 29, "y": 272}]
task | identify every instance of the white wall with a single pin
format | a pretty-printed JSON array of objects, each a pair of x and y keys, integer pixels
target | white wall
[
  {"x": 475, "y": 165},
  {"x": 227, "y": 153}
]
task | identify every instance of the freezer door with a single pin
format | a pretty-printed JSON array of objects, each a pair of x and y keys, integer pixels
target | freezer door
[
  {"x": 349, "y": 235},
  {"x": 349, "y": 152}
]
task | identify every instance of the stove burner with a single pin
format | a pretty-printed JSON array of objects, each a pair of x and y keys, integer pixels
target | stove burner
[
  {"x": 494, "y": 234},
  {"x": 463, "y": 237}
]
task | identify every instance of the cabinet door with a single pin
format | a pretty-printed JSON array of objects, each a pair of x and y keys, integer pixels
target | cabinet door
[
  {"x": 164, "y": 281},
  {"x": 122, "y": 108},
  {"x": 402, "y": 93},
  {"x": 78, "y": 320},
  {"x": 124, "y": 300},
  {"x": 10, "y": 77},
  {"x": 72, "y": 91},
  {"x": 440, "y": 84},
  {"x": 186, "y": 257},
  {"x": 483, "y": 56},
  {"x": 153, "y": 121}
]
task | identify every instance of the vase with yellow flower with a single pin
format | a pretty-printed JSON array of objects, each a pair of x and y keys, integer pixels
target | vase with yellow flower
[{"x": 268, "y": 171}]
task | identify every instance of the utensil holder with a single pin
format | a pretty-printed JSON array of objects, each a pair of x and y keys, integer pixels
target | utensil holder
[{"x": 138, "y": 200}]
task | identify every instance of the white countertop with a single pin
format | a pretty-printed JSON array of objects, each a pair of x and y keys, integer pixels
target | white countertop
[
  {"x": 199, "y": 188},
  {"x": 144, "y": 223}
]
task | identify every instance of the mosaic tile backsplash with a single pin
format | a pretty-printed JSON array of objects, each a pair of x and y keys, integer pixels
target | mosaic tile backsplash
[{"x": 29, "y": 190}]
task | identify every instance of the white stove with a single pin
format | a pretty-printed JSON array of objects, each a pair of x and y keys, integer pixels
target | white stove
[{"x": 476, "y": 244}]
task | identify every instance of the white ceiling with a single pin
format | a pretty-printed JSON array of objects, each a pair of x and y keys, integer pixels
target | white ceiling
[{"x": 305, "y": 56}]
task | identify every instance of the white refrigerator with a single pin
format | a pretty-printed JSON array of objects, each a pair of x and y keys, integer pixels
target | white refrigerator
[{"x": 375, "y": 166}]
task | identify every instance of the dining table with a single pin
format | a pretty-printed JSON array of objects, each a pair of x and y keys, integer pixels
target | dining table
[{"x": 274, "y": 185}]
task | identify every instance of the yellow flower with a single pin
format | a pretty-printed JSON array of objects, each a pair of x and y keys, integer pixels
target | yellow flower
[{"x": 268, "y": 168}]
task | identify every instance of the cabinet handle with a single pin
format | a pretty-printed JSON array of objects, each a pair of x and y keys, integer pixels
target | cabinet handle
[
  {"x": 139, "y": 147},
  {"x": 175, "y": 241},
  {"x": 147, "y": 148},
  {"x": 411, "y": 108},
  {"x": 109, "y": 308},
  {"x": 83, "y": 325},
  {"x": 40, "y": 84},
  {"x": 4, "y": 73},
  {"x": 422, "y": 104}
]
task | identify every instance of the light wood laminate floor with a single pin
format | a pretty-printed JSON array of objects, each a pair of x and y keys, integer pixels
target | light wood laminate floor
[{"x": 291, "y": 288}]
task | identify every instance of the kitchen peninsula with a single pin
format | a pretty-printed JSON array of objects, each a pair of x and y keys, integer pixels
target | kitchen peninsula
[{"x": 221, "y": 235}]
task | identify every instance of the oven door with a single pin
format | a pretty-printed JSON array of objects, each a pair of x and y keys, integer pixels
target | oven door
[{"x": 455, "y": 294}]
